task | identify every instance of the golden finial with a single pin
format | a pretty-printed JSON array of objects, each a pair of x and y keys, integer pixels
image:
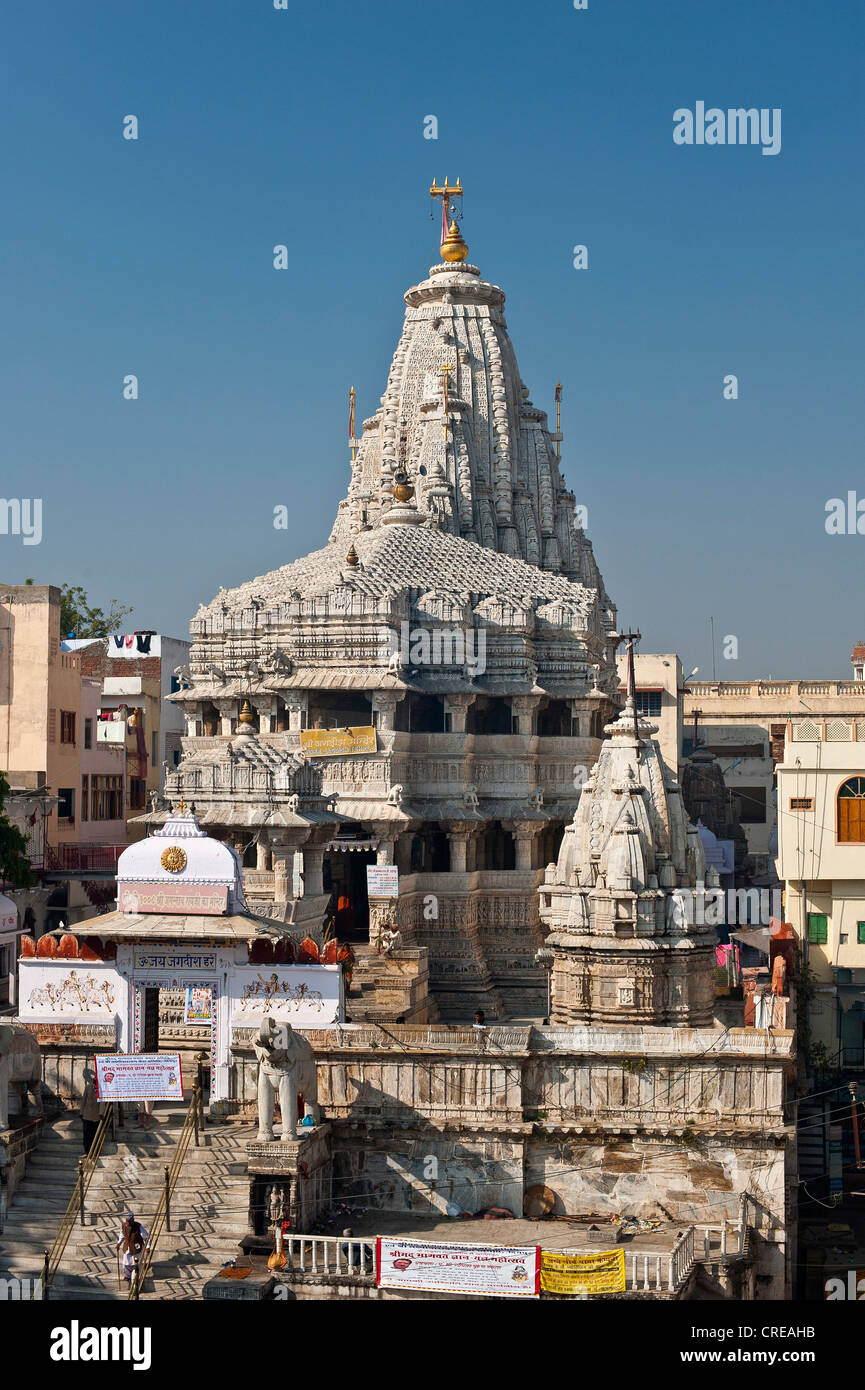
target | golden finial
[
  {"x": 352, "y": 558},
  {"x": 402, "y": 489},
  {"x": 453, "y": 248},
  {"x": 182, "y": 805},
  {"x": 245, "y": 713}
]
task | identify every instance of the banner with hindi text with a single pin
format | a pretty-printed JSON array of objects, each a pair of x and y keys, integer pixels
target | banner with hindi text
[{"x": 582, "y": 1275}]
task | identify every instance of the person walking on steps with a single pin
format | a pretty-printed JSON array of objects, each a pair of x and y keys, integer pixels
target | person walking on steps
[
  {"x": 90, "y": 1110},
  {"x": 131, "y": 1245}
]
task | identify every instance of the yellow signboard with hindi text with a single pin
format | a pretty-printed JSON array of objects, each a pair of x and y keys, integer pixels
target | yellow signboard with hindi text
[
  {"x": 323, "y": 742},
  {"x": 582, "y": 1275}
]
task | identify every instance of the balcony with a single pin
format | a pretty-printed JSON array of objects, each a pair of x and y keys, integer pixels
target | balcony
[
  {"x": 111, "y": 731},
  {"x": 72, "y": 860}
]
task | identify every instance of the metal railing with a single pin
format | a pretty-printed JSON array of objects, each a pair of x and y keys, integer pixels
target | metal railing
[
  {"x": 649, "y": 1272},
  {"x": 193, "y": 1125},
  {"x": 74, "y": 1213},
  {"x": 67, "y": 858},
  {"x": 328, "y": 1255}
]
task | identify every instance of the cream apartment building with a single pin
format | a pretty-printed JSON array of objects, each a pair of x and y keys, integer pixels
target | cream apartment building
[
  {"x": 658, "y": 677},
  {"x": 744, "y": 723},
  {"x": 821, "y": 857}
]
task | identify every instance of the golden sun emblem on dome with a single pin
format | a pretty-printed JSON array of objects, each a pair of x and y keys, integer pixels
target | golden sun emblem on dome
[{"x": 173, "y": 859}]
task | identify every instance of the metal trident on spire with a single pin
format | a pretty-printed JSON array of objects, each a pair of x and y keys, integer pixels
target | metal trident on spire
[{"x": 631, "y": 690}]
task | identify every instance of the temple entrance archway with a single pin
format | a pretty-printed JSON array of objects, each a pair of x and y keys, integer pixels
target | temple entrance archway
[{"x": 344, "y": 877}]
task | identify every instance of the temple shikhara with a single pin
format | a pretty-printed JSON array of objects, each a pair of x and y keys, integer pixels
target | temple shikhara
[
  {"x": 430, "y": 688},
  {"x": 423, "y": 893}
]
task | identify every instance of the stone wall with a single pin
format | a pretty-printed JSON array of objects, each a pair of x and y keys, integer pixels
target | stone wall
[
  {"x": 667, "y": 1123},
  {"x": 16, "y": 1145}
]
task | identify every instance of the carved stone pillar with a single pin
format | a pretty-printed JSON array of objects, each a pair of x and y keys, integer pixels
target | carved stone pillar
[
  {"x": 313, "y": 864},
  {"x": 283, "y": 846},
  {"x": 457, "y": 706},
  {"x": 265, "y": 708},
  {"x": 227, "y": 714},
  {"x": 386, "y": 847},
  {"x": 523, "y": 707},
  {"x": 298, "y": 708},
  {"x": 524, "y": 833},
  {"x": 459, "y": 834},
  {"x": 192, "y": 717},
  {"x": 262, "y": 854},
  {"x": 384, "y": 703},
  {"x": 580, "y": 729}
]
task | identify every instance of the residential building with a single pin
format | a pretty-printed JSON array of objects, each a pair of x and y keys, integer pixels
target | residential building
[
  {"x": 821, "y": 857},
  {"x": 137, "y": 673},
  {"x": 743, "y": 723},
  {"x": 40, "y": 702},
  {"x": 660, "y": 698}
]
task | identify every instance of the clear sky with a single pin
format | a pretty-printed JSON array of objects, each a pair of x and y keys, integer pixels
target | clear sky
[{"x": 305, "y": 127}]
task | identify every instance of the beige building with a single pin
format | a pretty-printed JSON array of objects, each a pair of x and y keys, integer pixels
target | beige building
[
  {"x": 40, "y": 702},
  {"x": 743, "y": 723},
  {"x": 821, "y": 857},
  {"x": 659, "y": 698}
]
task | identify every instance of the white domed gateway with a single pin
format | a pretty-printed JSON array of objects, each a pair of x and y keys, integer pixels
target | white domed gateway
[
  {"x": 424, "y": 690},
  {"x": 182, "y": 965}
]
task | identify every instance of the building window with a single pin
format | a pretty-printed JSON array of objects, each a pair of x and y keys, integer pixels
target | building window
[
  {"x": 818, "y": 928},
  {"x": 851, "y": 811},
  {"x": 88, "y": 733},
  {"x": 67, "y": 726},
  {"x": 52, "y": 726},
  {"x": 176, "y": 756},
  {"x": 860, "y": 933},
  {"x": 752, "y": 802},
  {"x": 801, "y": 803},
  {"x": 154, "y": 749},
  {"x": 106, "y": 797},
  {"x": 66, "y": 804},
  {"x": 85, "y": 798},
  {"x": 137, "y": 792},
  {"x": 649, "y": 702}
]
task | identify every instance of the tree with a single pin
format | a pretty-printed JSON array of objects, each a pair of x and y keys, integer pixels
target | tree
[
  {"x": 14, "y": 863},
  {"x": 77, "y": 617}
]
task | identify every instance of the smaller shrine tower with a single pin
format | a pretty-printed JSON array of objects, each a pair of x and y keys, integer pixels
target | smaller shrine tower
[{"x": 623, "y": 902}]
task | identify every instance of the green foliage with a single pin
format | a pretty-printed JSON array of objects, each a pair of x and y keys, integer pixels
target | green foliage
[
  {"x": 78, "y": 617},
  {"x": 633, "y": 1064},
  {"x": 14, "y": 864}
]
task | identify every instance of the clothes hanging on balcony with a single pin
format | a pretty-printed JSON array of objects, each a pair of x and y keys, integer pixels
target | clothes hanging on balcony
[{"x": 142, "y": 642}]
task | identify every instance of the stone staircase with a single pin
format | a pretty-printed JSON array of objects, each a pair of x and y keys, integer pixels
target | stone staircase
[
  {"x": 384, "y": 989},
  {"x": 361, "y": 998},
  {"x": 208, "y": 1209}
]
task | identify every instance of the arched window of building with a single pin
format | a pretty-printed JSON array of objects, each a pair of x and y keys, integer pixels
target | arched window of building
[{"x": 851, "y": 811}]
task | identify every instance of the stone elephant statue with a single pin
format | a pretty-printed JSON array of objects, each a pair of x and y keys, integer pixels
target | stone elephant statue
[
  {"x": 286, "y": 1068},
  {"x": 21, "y": 1066}
]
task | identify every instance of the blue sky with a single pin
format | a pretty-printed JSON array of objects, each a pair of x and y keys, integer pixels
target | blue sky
[{"x": 305, "y": 127}]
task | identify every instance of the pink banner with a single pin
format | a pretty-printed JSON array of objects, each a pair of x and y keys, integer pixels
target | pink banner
[{"x": 200, "y": 899}]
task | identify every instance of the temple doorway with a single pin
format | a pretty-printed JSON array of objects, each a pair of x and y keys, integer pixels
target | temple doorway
[
  {"x": 345, "y": 879},
  {"x": 179, "y": 1019}
]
